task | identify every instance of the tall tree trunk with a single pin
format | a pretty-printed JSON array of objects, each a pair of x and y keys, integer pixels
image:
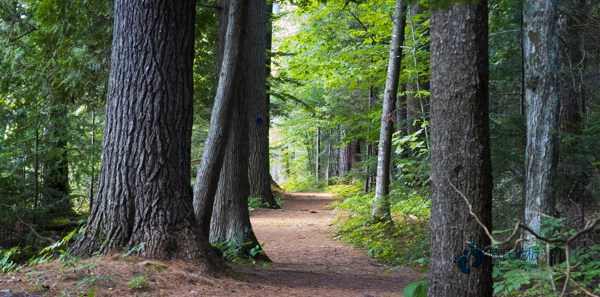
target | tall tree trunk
[
  {"x": 208, "y": 173},
  {"x": 144, "y": 198},
  {"x": 345, "y": 159},
  {"x": 380, "y": 210},
  {"x": 258, "y": 29},
  {"x": 317, "y": 154},
  {"x": 573, "y": 169},
  {"x": 230, "y": 220},
  {"x": 55, "y": 198},
  {"x": 541, "y": 51},
  {"x": 369, "y": 176},
  {"x": 460, "y": 148},
  {"x": 412, "y": 107}
]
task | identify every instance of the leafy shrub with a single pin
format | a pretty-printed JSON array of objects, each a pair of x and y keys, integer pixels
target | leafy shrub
[
  {"x": 6, "y": 259},
  {"x": 405, "y": 241},
  {"x": 233, "y": 251},
  {"x": 517, "y": 277},
  {"x": 138, "y": 282},
  {"x": 257, "y": 202},
  {"x": 416, "y": 289}
]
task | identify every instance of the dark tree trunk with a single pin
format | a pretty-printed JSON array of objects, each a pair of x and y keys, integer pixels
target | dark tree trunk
[
  {"x": 355, "y": 153},
  {"x": 540, "y": 46},
  {"x": 573, "y": 168},
  {"x": 144, "y": 199},
  {"x": 230, "y": 217},
  {"x": 208, "y": 173},
  {"x": 55, "y": 198},
  {"x": 345, "y": 159},
  {"x": 380, "y": 209},
  {"x": 258, "y": 29},
  {"x": 460, "y": 149},
  {"x": 230, "y": 220}
]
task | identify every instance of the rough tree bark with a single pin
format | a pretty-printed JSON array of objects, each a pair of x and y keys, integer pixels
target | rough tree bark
[
  {"x": 460, "y": 149},
  {"x": 541, "y": 50},
  {"x": 208, "y": 173},
  {"x": 259, "y": 29},
  {"x": 230, "y": 217},
  {"x": 380, "y": 209},
  {"x": 144, "y": 199}
]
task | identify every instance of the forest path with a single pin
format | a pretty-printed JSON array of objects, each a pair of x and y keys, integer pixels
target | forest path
[{"x": 307, "y": 261}]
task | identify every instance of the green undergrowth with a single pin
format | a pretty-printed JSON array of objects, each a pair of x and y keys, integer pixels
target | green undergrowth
[
  {"x": 303, "y": 183},
  {"x": 405, "y": 241}
]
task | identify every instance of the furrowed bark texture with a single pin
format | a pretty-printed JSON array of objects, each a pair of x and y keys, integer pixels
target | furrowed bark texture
[
  {"x": 207, "y": 177},
  {"x": 258, "y": 30},
  {"x": 145, "y": 199},
  {"x": 380, "y": 209},
  {"x": 460, "y": 150},
  {"x": 541, "y": 57},
  {"x": 230, "y": 217}
]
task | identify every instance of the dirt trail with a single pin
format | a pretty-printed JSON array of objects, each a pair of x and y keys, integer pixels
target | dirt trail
[{"x": 307, "y": 261}]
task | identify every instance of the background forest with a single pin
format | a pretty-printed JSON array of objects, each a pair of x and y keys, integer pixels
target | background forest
[{"x": 328, "y": 65}]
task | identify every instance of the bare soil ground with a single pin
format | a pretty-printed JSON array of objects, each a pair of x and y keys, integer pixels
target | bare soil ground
[{"x": 307, "y": 261}]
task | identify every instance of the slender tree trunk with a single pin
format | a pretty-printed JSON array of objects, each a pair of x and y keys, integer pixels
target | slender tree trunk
[
  {"x": 144, "y": 199},
  {"x": 208, "y": 173},
  {"x": 345, "y": 159},
  {"x": 380, "y": 210},
  {"x": 258, "y": 29},
  {"x": 541, "y": 50},
  {"x": 460, "y": 148},
  {"x": 55, "y": 198},
  {"x": 369, "y": 176},
  {"x": 412, "y": 108},
  {"x": 317, "y": 154}
]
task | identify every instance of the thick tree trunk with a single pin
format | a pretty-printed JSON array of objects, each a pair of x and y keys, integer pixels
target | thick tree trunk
[
  {"x": 55, "y": 198},
  {"x": 541, "y": 49},
  {"x": 144, "y": 199},
  {"x": 460, "y": 149},
  {"x": 208, "y": 173},
  {"x": 258, "y": 29},
  {"x": 380, "y": 210}
]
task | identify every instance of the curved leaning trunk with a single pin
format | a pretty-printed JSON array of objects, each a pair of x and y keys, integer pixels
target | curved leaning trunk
[
  {"x": 207, "y": 176},
  {"x": 230, "y": 222},
  {"x": 380, "y": 210},
  {"x": 144, "y": 196}
]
